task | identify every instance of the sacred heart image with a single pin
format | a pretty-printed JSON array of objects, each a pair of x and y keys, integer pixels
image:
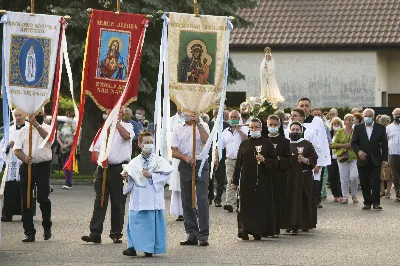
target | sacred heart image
[
  {"x": 113, "y": 54},
  {"x": 29, "y": 61},
  {"x": 197, "y": 57}
]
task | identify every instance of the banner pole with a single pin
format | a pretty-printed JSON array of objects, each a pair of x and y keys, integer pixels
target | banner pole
[
  {"x": 118, "y": 7},
  {"x": 32, "y": 7},
  {"x": 196, "y": 9},
  {"x": 103, "y": 185},
  {"x": 194, "y": 166},
  {"x": 28, "y": 192}
]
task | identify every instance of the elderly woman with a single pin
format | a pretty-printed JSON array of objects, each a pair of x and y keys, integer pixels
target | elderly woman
[
  {"x": 346, "y": 159},
  {"x": 386, "y": 172},
  {"x": 333, "y": 169}
]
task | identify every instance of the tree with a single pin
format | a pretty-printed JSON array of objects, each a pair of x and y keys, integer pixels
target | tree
[{"x": 76, "y": 35}]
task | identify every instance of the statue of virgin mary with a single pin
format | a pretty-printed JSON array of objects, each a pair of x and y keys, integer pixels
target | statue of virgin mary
[
  {"x": 30, "y": 64},
  {"x": 269, "y": 86}
]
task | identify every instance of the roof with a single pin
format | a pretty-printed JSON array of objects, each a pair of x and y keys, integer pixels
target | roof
[{"x": 288, "y": 23}]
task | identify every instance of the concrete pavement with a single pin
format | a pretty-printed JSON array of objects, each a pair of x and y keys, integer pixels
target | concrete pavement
[{"x": 346, "y": 235}]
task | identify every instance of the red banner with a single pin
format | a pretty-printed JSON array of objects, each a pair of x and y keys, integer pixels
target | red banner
[{"x": 112, "y": 45}]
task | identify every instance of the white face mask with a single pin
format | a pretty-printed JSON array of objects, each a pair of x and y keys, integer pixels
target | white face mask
[
  {"x": 69, "y": 120},
  {"x": 148, "y": 148},
  {"x": 336, "y": 128}
]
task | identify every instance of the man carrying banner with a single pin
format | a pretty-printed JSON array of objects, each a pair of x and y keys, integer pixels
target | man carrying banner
[
  {"x": 121, "y": 151},
  {"x": 182, "y": 149},
  {"x": 12, "y": 193},
  {"x": 40, "y": 162}
]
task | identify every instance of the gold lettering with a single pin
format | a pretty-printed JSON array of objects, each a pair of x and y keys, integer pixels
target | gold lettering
[{"x": 182, "y": 25}]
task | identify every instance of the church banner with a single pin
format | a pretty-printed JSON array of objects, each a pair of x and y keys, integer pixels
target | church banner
[
  {"x": 30, "y": 45},
  {"x": 111, "y": 48},
  {"x": 197, "y": 48}
]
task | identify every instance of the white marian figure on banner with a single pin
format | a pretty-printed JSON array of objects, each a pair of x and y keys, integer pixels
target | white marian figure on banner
[
  {"x": 269, "y": 86},
  {"x": 30, "y": 65}
]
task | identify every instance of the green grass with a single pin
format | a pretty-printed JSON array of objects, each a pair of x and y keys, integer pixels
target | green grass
[{"x": 56, "y": 175}]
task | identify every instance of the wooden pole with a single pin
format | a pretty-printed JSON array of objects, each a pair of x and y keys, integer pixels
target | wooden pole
[
  {"x": 194, "y": 167},
  {"x": 103, "y": 185},
  {"x": 196, "y": 8},
  {"x": 118, "y": 7},
  {"x": 28, "y": 192},
  {"x": 32, "y": 7}
]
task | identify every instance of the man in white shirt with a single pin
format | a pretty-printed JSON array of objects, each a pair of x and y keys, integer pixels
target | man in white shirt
[
  {"x": 393, "y": 134},
  {"x": 40, "y": 161},
  {"x": 12, "y": 193},
  {"x": 245, "y": 110},
  {"x": 121, "y": 151},
  {"x": 231, "y": 139},
  {"x": 182, "y": 149}
]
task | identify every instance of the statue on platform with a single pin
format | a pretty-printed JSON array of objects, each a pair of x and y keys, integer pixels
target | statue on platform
[{"x": 269, "y": 86}]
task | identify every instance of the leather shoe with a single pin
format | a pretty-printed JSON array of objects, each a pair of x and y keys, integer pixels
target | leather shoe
[
  {"x": 6, "y": 219},
  {"x": 129, "y": 252},
  {"x": 180, "y": 218},
  {"x": 203, "y": 243},
  {"x": 319, "y": 206},
  {"x": 116, "y": 240},
  {"x": 148, "y": 255},
  {"x": 91, "y": 239},
  {"x": 377, "y": 208},
  {"x": 228, "y": 208},
  {"x": 243, "y": 235},
  {"x": 366, "y": 207},
  {"x": 188, "y": 242},
  {"x": 47, "y": 234},
  {"x": 210, "y": 202},
  {"x": 30, "y": 238},
  {"x": 218, "y": 204},
  {"x": 257, "y": 237}
]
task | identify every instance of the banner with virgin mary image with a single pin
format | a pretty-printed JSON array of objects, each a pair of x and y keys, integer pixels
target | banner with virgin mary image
[
  {"x": 111, "y": 46},
  {"x": 197, "y": 48},
  {"x": 30, "y": 53}
]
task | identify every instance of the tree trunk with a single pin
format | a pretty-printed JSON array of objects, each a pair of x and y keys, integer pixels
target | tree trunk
[{"x": 92, "y": 121}]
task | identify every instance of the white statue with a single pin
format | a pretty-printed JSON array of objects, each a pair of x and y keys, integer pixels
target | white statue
[
  {"x": 269, "y": 86},
  {"x": 30, "y": 65}
]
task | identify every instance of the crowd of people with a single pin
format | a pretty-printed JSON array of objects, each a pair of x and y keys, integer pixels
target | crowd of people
[{"x": 274, "y": 172}]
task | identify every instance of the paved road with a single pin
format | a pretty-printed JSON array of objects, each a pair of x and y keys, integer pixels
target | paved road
[{"x": 346, "y": 235}]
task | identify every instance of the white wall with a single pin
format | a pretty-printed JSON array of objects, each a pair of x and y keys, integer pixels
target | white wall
[
  {"x": 393, "y": 62},
  {"x": 328, "y": 78}
]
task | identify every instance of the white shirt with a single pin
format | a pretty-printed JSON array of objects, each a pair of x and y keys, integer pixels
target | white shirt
[
  {"x": 121, "y": 150},
  {"x": 393, "y": 135},
  {"x": 22, "y": 143},
  {"x": 245, "y": 122},
  {"x": 182, "y": 138},
  {"x": 369, "y": 129},
  {"x": 321, "y": 144},
  {"x": 231, "y": 141}
]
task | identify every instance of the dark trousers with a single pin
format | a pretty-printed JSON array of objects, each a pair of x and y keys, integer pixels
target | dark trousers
[
  {"x": 394, "y": 161},
  {"x": 12, "y": 199},
  {"x": 370, "y": 179},
  {"x": 219, "y": 176},
  {"x": 113, "y": 189},
  {"x": 40, "y": 178},
  {"x": 318, "y": 195},
  {"x": 334, "y": 177}
]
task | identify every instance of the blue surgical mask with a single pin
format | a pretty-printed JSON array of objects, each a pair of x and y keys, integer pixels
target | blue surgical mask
[
  {"x": 255, "y": 134},
  {"x": 368, "y": 120},
  {"x": 273, "y": 130}
]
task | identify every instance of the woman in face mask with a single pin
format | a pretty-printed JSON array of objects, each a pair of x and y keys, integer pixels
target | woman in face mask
[
  {"x": 65, "y": 136},
  {"x": 300, "y": 204},
  {"x": 255, "y": 160},
  {"x": 333, "y": 169},
  {"x": 279, "y": 174},
  {"x": 147, "y": 175}
]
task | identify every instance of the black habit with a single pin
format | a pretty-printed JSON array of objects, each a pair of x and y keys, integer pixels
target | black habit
[
  {"x": 256, "y": 207},
  {"x": 300, "y": 208},
  {"x": 279, "y": 175}
]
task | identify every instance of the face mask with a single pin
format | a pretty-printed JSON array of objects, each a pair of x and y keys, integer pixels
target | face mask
[
  {"x": 105, "y": 116},
  {"x": 148, "y": 148},
  {"x": 39, "y": 119},
  {"x": 233, "y": 122},
  {"x": 396, "y": 119},
  {"x": 139, "y": 117},
  {"x": 68, "y": 120},
  {"x": 336, "y": 128},
  {"x": 255, "y": 134},
  {"x": 273, "y": 130},
  {"x": 368, "y": 120},
  {"x": 295, "y": 136},
  {"x": 187, "y": 118}
]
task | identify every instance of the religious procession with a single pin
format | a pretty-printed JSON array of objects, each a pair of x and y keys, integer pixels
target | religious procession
[{"x": 275, "y": 157}]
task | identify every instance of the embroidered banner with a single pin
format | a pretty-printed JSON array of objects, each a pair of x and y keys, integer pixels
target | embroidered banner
[
  {"x": 197, "y": 49},
  {"x": 112, "y": 45},
  {"x": 31, "y": 48}
]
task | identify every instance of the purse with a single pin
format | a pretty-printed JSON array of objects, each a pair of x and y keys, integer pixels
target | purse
[{"x": 344, "y": 156}]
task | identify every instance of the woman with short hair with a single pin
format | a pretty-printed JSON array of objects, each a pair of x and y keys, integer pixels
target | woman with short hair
[{"x": 346, "y": 159}]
